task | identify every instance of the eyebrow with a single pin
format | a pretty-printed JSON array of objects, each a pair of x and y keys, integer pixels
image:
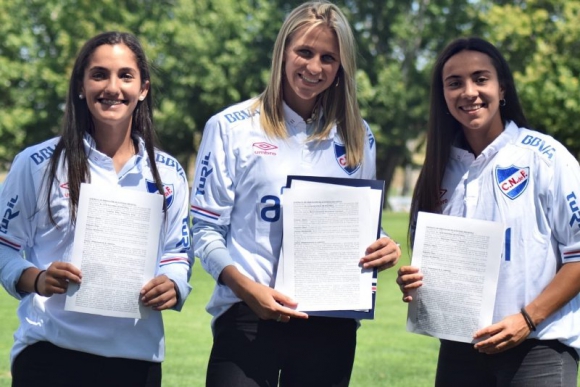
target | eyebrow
[
  {"x": 307, "y": 46},
  {"x": 475, "y": 73},
  {"x": 122, "y": 69}
]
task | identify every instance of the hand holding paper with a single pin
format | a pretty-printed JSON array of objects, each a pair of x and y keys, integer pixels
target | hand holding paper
[
  {"x": 116, "y": 248},
  {"x": 382, "y": 254},
  {"x": 409, "y": 279},
  {"x": 328, "y": 226},
  {"x": 267, "y": 303},
  {"x": 459, "y": 260},
  {"x": 56, "y": 278},
  {"x": 159, "y": 293}
]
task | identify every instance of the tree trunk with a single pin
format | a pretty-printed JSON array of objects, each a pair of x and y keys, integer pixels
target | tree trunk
[{"x": 388, "y": 159}]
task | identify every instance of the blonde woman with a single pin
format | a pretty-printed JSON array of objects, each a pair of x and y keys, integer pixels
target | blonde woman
[{"x": 306, "y": 122}]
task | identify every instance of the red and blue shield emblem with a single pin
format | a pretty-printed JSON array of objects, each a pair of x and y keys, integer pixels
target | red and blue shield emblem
[
  {"x": 167, "y": 191},
  {"x": 340, "y": 153},
  {"x": 512, "y": 181}
]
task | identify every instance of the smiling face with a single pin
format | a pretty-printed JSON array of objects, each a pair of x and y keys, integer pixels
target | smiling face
[
  {"x": 472, "y": 92},
  {"x": 112, "y": 86},
  {"x": 311, "y": 62}
]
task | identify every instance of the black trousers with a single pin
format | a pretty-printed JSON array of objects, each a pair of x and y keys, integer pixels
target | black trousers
[
  {"x": 248, "y": 351},
  {"x": 532, "y": 363},
  {"x": 45, "y": 364}
]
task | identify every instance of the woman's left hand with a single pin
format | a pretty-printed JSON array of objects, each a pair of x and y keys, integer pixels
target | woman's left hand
[
  {"x": 382, "y": 254},
  {"x": 506, "y": 334},
  {"x": 159, "y": 293}
]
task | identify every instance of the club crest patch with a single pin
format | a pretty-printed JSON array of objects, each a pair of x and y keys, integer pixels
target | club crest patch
[
  {"x": 64, "y": 190},
  {"x": 512, "y": 181},
  {"x": 340, "y": 153},
  {"x": 167, "y": 191}
]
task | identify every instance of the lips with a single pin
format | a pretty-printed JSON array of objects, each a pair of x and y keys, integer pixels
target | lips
[
  {"x": 309, "y": 80},
  {"x": 471, "y": 108},
  {"x": 111, "y": 102}
]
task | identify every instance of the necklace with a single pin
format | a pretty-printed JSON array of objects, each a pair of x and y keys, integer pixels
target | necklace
[{"x": 310, "y": 119}]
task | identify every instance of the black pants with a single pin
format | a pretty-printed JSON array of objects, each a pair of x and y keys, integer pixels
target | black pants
[
  {"x": 532, "y": 363},
  {"x": 45, "y": 364},
  {"x": 248, "y": 351}
]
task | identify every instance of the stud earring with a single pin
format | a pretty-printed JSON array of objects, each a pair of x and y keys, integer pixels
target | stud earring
[
  {"x": 337, "y": 81},
  {"x": 141, "y": 98},
  {"x": 81, "y": 96}
]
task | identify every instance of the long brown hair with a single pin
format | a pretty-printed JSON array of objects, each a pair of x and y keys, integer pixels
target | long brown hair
[
  {"x": 70, "y": 150},
  {"x": 443, "y": 128}
]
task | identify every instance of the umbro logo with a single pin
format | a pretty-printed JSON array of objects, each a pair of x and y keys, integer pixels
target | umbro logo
[{"x": 264, "y": 148}]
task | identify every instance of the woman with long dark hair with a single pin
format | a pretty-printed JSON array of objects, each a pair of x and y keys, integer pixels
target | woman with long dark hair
[
  {"x": 108, "y": 140},
  {"x": 482, "y": 162}
]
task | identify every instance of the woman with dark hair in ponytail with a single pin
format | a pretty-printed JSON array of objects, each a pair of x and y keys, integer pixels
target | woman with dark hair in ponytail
[{"x": 108, "y": 139}]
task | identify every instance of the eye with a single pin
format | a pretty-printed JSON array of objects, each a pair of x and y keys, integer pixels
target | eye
[
  {"x": 98, "y": 75},
  {"x": 328, "y": 58},
  {"x": 481, "y": 80},
  {"x": 453, "y": 84},
  {"x": 304, "y": 52},
  {"x": 127, "y": 76}
]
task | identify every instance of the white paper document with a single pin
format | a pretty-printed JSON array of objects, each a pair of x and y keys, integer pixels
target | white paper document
[
  {"x": 327, "y": 229},
  {"x": 115, "y": 247},
  {"x": 460, "y": 260}
]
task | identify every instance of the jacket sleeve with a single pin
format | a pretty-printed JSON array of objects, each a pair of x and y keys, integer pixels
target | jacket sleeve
[
  {"x": 212, "y": 199},
  {"x": 565, "y": 192},
  {"x": 17, "y": 207},
  {"x": 175, "y": 262},
  {"x": 370, "y": 155}
]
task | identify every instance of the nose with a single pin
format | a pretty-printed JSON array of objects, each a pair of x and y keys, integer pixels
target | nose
[
  {"x": 470, "y": 90},
  {"x": 113, "y": 85},
  {"x": 314, "y": 66}
]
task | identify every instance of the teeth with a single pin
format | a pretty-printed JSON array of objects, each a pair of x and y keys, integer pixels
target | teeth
[
  {"x": 111, "y": 102},
  {"x": 472, "y": 107},
  {"x": 309, "y": 79}
]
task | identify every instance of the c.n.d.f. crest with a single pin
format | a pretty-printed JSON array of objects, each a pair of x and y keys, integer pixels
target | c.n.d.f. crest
[
  {"x": 167, "y": 191},
  {"x": 512, "y": 181},
  {"x": 340, "y": 153}
]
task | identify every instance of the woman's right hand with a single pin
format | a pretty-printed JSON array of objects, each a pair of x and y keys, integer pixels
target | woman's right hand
[
  {"x": 267, "y": 303},
  {"x": 409, "y": 279},
  {"x": 56, "y": 278}
]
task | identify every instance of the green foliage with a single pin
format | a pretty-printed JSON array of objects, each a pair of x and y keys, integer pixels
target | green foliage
[
  {"x": 541, "y": 41},
  {"x": 209, "y": 54}
]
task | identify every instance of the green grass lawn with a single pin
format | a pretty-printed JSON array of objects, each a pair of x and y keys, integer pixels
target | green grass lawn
[{"x": 387, "y": 355}]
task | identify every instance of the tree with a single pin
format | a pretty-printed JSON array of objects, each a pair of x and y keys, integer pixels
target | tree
[
  {"x": 398, "y": 42},
  {"x": 17, "y": 99},
  {"x": 41, "y": 41},
  {"x": 209, "y": 54},
  {"x": 540, "y": 40}
]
